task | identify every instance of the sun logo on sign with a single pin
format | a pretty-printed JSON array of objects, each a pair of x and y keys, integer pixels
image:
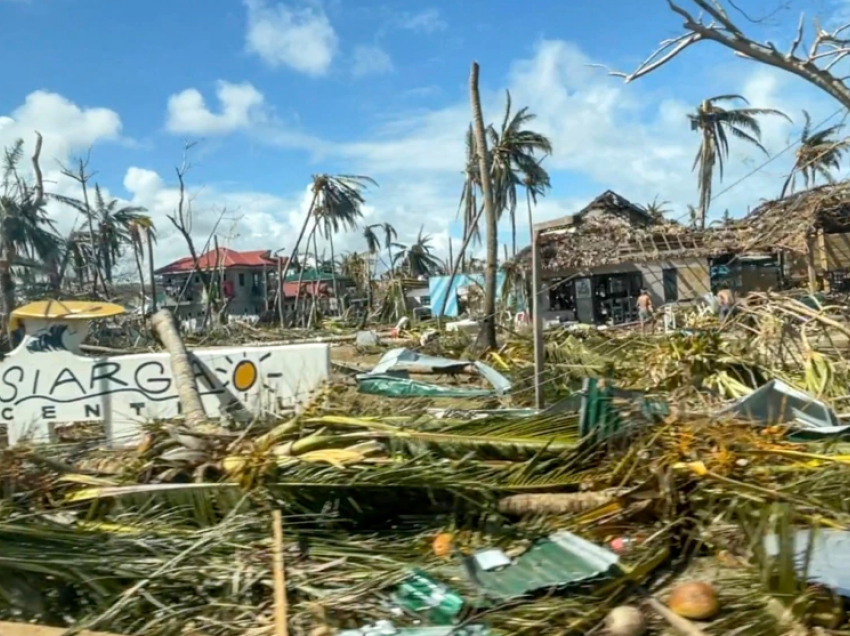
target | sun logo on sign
[{"x": 244, "y": 374}]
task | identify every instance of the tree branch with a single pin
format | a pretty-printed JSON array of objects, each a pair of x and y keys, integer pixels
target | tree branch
[{"x": 827, "y": 49}]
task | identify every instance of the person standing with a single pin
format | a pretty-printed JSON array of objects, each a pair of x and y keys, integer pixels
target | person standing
[
  {"x": 726, "y": 300},
  {"x": 644, "y": 307}
]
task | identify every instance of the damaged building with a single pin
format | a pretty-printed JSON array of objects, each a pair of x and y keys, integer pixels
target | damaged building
[{"x": 596, "y": 261}]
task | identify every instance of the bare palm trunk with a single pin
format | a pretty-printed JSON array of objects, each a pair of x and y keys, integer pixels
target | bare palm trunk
[
  {"x": 151, "y": 268},
  {"x": 298, "y": 295},
  {"x": 95, "y": 253},
  {"x": 369, "y": 295},
  {"x": 7, "y": 282},
  {"x": 339, "y": 307},
  {"x": 314, "y": 302},
  {"x": 138, "y": 256},
  {"x": 487, "y": 334},
  {"x": 513, "y": 234},
  {"x": 706, "y": 175},
  {"x": 181, "y": 368}
]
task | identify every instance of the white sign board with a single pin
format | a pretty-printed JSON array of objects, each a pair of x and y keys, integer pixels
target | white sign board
[{"x": 43, "y": 383}]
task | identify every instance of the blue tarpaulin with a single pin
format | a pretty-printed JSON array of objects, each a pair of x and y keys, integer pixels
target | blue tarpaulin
[{"x": 437, "y": 286}]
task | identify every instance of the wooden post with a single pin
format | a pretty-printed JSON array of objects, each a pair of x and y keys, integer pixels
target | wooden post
[
  {"x": 810, "y": 265},
  {"x": 537, "y": 316},
  {"x": 824, "y": 260},
  {"x": 280, "y": 620},
  {"x": 280, "y": 290}
]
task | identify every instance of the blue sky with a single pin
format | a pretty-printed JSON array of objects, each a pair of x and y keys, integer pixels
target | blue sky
[{"x": 276, "y": 91}]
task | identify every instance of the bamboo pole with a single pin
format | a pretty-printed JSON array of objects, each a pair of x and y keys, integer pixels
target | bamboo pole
[{"x": 280, "y": 622}]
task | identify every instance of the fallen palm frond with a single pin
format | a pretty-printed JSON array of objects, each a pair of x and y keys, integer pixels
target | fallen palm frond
[{"x": 173, "y": 538}]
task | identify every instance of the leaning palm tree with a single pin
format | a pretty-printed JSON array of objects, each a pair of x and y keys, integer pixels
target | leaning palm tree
[
  {"x": 341, "y": 193},
  {"x": 715, "y": 124},
  {"x": 819, "y": 153},
  {"x": 416, "y": 259},
  {"x": 514, "y": 151}
]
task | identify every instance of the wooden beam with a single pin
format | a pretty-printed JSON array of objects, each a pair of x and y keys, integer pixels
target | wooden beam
[
  {"x": 26, "y": 629},
  {"x": 810, "y": 265}
]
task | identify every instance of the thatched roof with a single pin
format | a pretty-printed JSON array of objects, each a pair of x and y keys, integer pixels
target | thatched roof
[
  {"x": 609, "y": 237},
  {"x": 609, "y": 205},
  {"x": 612, "y": 230},
  {"x": 786, "y": 224}
]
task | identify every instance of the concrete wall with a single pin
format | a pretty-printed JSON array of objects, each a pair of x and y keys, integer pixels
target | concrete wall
[{"x": 693, "y": 278}]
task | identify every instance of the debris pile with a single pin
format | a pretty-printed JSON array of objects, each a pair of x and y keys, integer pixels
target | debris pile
[{"x": 645, "y": 499}]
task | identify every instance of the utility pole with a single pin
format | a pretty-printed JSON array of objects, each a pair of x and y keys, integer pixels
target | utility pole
[{"x": 537, "y": 317}]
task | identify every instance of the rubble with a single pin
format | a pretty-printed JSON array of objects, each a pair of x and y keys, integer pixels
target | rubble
[{"x": 639, "y": 479}]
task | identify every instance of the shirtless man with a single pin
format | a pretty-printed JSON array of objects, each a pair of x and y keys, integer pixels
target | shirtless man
[
  {"x": 644, "y": 307},
  {"x": 726, "y": 300}
]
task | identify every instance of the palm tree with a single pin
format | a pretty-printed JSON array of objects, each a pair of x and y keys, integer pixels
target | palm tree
[
  {"x": 514, "y": 161},
  {"x": 487, "y": 334},
  {"x": 657, "y": 210},
  {"x": 142, "y": 229},
  {"x": 818, "y": 154},
  {"x": 333, "y": 217},
  {"x": 390, "y": 235},
  {"x": 26, "y": 231},
  {"x": 417, "y": 259},
  {"x": 339, "y": 197},
  {"x": 715, "y": 124},
  {"x": 111, "y": 222},
  {"x": 469, "y": 206}
]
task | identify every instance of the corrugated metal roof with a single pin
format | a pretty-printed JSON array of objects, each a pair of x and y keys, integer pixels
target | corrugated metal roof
[
  {"x": 560, "y": 560},
  {"x": 222, "y": 258}
]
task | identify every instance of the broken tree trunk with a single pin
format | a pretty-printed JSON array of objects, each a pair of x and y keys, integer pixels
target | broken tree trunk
[
  {"x": 555, "y": 503},
  {"x": 181, "y": 367}
]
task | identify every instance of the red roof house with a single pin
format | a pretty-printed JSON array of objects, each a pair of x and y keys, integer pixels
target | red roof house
[{"x": 225, "y": 258}]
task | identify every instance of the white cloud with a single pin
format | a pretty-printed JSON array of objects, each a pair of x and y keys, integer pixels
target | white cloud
[
  {"x": 300, "y": 38},
  {"x": 241, "y": 106},
  {"x": 605, "y": 135},
  {"x": 68, "y": 130},
  {"x": 427, "y": 21},
  {"x": 369, "y": 59},
  {"x": 65, "y": 126}
]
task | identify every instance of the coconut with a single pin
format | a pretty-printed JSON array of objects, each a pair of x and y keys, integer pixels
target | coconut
[
  {"x": 625, "y": 621},
  {"x": 442, "y": 544},
  {"x": 695, "y": 600}
]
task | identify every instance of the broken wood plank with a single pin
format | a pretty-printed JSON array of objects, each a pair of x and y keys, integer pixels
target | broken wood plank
[{"x": 27, "y": 629}]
